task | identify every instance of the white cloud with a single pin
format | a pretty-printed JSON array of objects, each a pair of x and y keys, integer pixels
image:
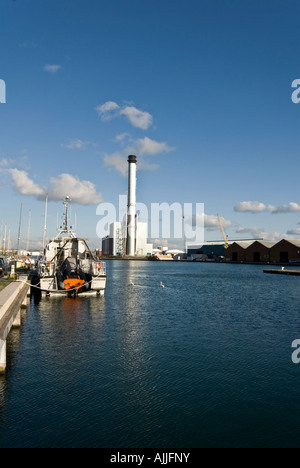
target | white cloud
[
  {"x": 250, "y": 207},
  {"x": 118, "y": 161},
  {"x": 107, "y": 107},
  {"x": 5, "y": 162},
  {"x": 294, "y": 232},
  {"x": 290, "y": 208},
  {"x": 75, "y": 144},
  {"x": 260, "y": 233},
  {"x": 141, "y": 147},
  {"x": 24, "y": 185},
  {"x": 211, "y": 222},
  {"x": 258, "y": 207},
  {"x": 145, "y": 166},
  {"x": 107, "y": 111},
  {"x": 146, "y": 146},
  {"x": 82, "y": 192},
  {"x": 122, "y": 137},
  {"x": 52, "y": 68},
  {"x": 137, "y": 118}
]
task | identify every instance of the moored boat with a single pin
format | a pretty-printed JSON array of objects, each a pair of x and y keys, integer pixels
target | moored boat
[{"x": 68, "y": 266}]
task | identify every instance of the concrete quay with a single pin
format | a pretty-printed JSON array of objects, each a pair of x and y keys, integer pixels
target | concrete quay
[
  {"x": 283, "y": 272},
  {"x": 12, "y": 299}
]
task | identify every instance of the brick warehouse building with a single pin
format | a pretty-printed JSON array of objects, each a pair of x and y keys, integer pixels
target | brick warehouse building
[
  {"x": 259, "y": 252},
  {"x": 236, "y": 252},
  {"x": 285, "y": 251}
]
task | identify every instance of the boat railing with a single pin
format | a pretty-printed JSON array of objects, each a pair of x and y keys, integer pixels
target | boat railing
[{"x": 99, "y": 268}]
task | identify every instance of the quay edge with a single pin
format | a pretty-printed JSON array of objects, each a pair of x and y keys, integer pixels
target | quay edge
[{"x": 12, "y": 299}]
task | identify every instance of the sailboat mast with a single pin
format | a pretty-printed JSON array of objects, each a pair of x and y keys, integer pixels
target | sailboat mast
[
  {"x": 4, "y": 241},
  {"x": 19, "y": 233},
  {"x": 1, "y": 238},
  {"x": 9, "y": 241},
  {"x": 45, "y": 225},
  {"x": 28, "y": 230}
]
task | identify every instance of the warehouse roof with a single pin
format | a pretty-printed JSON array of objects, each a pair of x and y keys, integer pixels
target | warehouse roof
[
  {"x": 243, "y": 244},
  {"x": 267, "y": 244},
  {"x": 294, "y": 242}
]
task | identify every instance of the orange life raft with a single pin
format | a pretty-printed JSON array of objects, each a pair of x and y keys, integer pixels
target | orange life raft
[{"x": 73, "y": 283}]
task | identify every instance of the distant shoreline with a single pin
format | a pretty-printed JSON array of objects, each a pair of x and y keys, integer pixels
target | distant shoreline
[
  {"x": 139, "y": 259},
  {"x": 149, "y": 259}
]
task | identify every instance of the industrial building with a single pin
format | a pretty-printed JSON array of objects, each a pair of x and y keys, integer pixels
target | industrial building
[
  {"x": 259, "y": 252},
  {"x": 129, "y": 238},
  {"x": 142, "y": 248},
  {"x": 248, "y": 251},
  {"x": 115, "y": 243},
  {"x": 283, "y": 252},
  {"x": 210, "y": 250},
  {"x": 236, "y": 252}
]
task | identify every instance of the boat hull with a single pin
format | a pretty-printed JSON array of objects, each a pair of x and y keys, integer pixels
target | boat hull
[{"x": 49, "y": 286}]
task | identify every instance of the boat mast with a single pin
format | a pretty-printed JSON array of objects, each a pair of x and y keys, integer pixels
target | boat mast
[
  {"x": 4, "y": 240},
  {"x": 45, "y": 225},
  {"x": 66, "y": 213},
  {"x": 9, "y": 241},
  {"x": 19, "y": 232},
  {"x": 65, "y": 227},
  {"x": 28, "y": 231}
]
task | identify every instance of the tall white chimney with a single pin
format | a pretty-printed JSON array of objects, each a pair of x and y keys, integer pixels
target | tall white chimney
[{"x": 131, "y": 217}]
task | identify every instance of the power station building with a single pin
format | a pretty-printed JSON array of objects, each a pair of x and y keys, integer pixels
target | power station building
[
  {"x": 129, "y": 238},
  {"x": 115, "y": 243}
]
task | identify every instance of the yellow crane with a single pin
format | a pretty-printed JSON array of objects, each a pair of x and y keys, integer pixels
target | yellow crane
[{"x": 223, "y": 232}]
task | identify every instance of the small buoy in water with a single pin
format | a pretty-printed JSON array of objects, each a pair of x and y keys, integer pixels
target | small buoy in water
[{"x": 162, "y": 285}]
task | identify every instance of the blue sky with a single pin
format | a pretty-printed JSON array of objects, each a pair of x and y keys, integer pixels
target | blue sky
[{"x": 200, "y": 90}]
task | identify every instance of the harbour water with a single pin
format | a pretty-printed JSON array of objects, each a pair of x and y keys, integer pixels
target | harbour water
[{"x": 204, "y": 362}]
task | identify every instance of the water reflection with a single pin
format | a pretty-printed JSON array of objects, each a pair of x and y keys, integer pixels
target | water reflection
[
  {"x": 2, "y": 391},
  {"x": 134, "y": 350},
  {"x": 143, "y": 366}
]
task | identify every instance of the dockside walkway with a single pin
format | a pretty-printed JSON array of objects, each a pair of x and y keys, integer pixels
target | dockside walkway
[{"x": 12, "y": 299}]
